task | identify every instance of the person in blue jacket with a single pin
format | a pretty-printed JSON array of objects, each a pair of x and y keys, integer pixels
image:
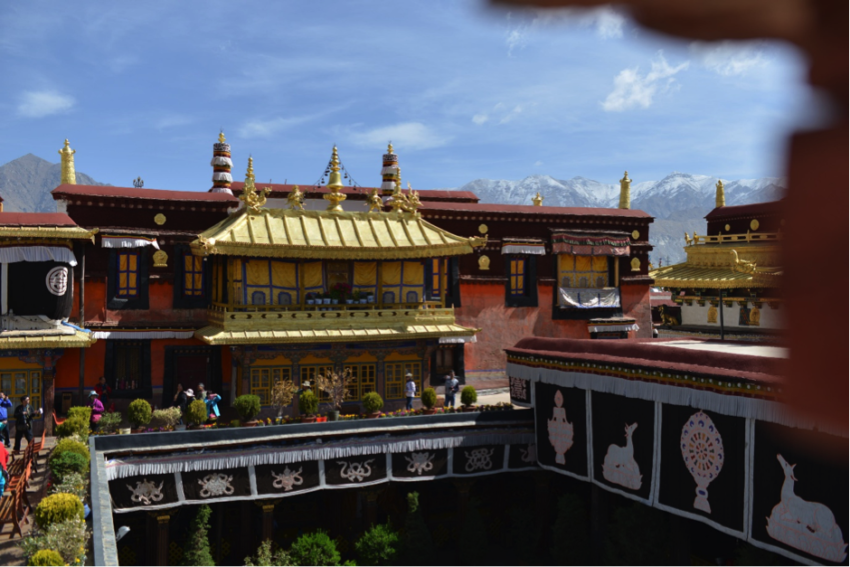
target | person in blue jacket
[
  {"x": 211, "y": 401},
  {"x": 5, "y": 405}
]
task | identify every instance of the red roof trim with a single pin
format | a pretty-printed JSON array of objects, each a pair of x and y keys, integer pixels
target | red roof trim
[
  {"x": 36, "y": 219},
  {"x": 109, "y": 191},
  {"x": 533, "y": 210},
  {"x": 281, "y": 190},
  {"x": 751, "y": 210}
]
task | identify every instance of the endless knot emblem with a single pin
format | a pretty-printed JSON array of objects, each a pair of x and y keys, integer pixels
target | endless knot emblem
[
  {"x": 287, "y": 479},
  {"x": 420, "y": 462},
  {"x": 479, "y": 459},
  {"x": 356, "y": 471},
  {"x": 216, "y": 484},
  {"x": 146, "y": 492},
  {"x": 519, "y": 388},
  {"x": 57, "y": 281},
  {"x": 529, "y": 455}
]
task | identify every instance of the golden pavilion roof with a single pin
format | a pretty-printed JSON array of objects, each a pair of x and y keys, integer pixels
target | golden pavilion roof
[
  {"x": 688, "y": 276},
  {"x": 24, "y": 340},
  {"x": 324, "y": 235},
  {"x": 217, "y": 336}
]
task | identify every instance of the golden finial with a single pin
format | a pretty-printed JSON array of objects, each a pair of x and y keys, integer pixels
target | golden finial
[
  {"x": 537, "y": 200},
  {"x": 374, "y": 201},
  {"x": 254, "y": 200},
  {"x": 296, "y": 199},
  {"x": 398, "y": 200},
  {"x": 390, "y": 148},
  {"x": 334, "y": 198},
  {"x": 625, "y": 192},
  {"x": 69, "y": 176},
  {"x": 720, "y": 195},
  {"x": 221, "y": 138},
  {"x": 413, "y": 202}
]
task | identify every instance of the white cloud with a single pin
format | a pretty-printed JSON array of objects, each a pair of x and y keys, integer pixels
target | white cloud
[
  {"x": 608, "y": 22},
  {"x": 409, "y": 135},
  {"x": 480, "y": 119},
  {"x": 38, "y": 104},
  {"x": 511, "y": 115},
  {"x": 729, "y": 58},
  {"x": 538, "y": 163},
  {"x": 632, "y": 90},
  {"x": 516, "y": 37},
  {"x": 172, "y": 121},
  {"x": 267, "y": 128}
]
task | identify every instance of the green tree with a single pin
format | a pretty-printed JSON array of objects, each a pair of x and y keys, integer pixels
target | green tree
[
  {"x": 265, "y": 557},
  {"x": 314, "y": 549},
  {"x": 570, "y": 534},
  {"x": 378, "y": 546},
  {"x": 198, "y": 546},
  {"x": 417, "y": 545}
]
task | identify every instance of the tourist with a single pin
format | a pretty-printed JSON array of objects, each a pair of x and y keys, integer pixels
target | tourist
[
  {"x": 96, "y": 409},
  {"x": 202, "y": 394},
  {"x": 4, "y": 462},
  {"x": 181, "y": 400},
  {"x": 103, "y": 390},
  {"x": 212, "y": 405},
  {"x": 24, "y": 415},
  {"x": 5, "y": 405},
  {"x": 410, "y": 390},
  {"x": 452, "y": 386}
]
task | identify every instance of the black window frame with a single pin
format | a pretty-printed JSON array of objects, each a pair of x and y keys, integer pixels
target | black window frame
[
  {"x": 576, "y": 313},
  {"x": 180, "y": 300},
  {"x": 453, "y": 283},
  {"x": 145, "y": 389},
  {"x": 141, "y": 301},
  {"x": 529, "y": 296}
]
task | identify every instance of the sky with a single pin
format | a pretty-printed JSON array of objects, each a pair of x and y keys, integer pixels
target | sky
[{"x": 462, "y": 91}]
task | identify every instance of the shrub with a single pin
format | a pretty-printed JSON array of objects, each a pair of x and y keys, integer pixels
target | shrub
[
  {"x": 372, "y": 402},
  {"x": 378, "y": 546},
  {"x": 72, "y": 483},
  {"x": 196, "y": 413},
  {"x": 46, "y": 557},
  {"x": 429, "y": 397},
  {"x": 81, "y": 411},
  {"x": 69, "y": 446},
  {"x": 417, "y": 545},
  {"x": 68, "y": 463},
  {"x": 74, "y": 425},
  {"x": 247, "y": 406},
  {"x": 168, "y": 417},
  {"x": 139, "y": 413},
  {"x": 58, "y": 508},
  {"x": 314, "y": 549},
  {"x": 68, "y": 538},
  {"x": 265, "y": 557},
  {"x": 468, "y": 396},
  {"x": 198, "y": 545},
  {"x": 308, "y": 403},
  {"x": 109, "y": 421}
]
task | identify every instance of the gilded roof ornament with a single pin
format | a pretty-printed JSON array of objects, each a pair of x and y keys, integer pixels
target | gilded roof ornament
[
  {"x": 413, "y": 202},
  {"x": 221, "y": 138},
  {"x": 398, "y": 200},
  {"x": 374, "y": 201},
  {"x": 296, "y": 199},
  {"x": 69, "y": 176},
  {"x": 537, "y": 200},
  {"x": 625, "y": 192},
  {"x": 254, "y": 199},
  {"x": 720, "y": 195},
  {"x": 334, "y": 198}
]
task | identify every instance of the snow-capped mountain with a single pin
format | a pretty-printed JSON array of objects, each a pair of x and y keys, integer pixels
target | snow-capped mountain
[{"x": 679, "y": 202}]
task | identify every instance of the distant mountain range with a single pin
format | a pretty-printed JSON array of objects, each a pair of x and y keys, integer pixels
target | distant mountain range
[{"x": 679, "y": 202}]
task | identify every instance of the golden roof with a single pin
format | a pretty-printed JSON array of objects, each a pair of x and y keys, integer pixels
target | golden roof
[
  {"x": 52, "y": 232},
  {"x": 320, "y": 235},
  {"x": 217, "y": 336},
  {"x": 687, "y": 275},
  {"x": 21, "y": 341}
]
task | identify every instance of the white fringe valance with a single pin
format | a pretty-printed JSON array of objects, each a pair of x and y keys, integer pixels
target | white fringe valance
[
  {"x": 533, "y": 249},
  {"x": 612, "y": 328},
  {"x": 12, "y": 254},
  {"x": 130, "y": 335},
  {"x": 588, "y": 298},
  {"x": 221, "y": 160},
  {"x": 727, "y": 404},
  {"x": 200, "y": 461},
  {"x": 222, "y": 176},
  {"x": 457, "y": 340},
  {"x": 128, "y": 242}
]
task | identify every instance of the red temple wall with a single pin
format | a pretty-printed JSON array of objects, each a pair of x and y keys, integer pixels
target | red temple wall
[{"x": 635, "y": 302}]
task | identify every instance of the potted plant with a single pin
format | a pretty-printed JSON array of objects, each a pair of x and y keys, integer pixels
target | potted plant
[
  {"x": 196, "y": 414},
  {"x": 248, "y": 408},
  {"x": 326, "y": 298},
  {"x": 468, "y": 397},
  {"x": 357, "y": 297},
  {"x": 372, "y": 404},
  {"x": 311, "y": 298},
  {"x": 336, "y": 386},
  {"x": 139, "y": 414},
  {"x": 308, "y": 405},
  {"x": 429, "y": 400},
  {"x": 282, "y": 393}
]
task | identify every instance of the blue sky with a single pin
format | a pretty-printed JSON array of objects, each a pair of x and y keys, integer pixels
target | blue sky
[{"x": 463, "y": 92}]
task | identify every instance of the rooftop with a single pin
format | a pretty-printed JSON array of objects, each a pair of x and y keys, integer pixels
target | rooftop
[
  {"x": 109, "y": 191},
  {"x": 532, "y": 210}
]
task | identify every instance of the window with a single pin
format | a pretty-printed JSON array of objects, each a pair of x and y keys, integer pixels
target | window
[
  {"x": 128, "y": 368},
  {"x": 436, "y": 277},
  {"x": 444, "y": 360},
  {"x": 19, "y": 383},
  {"x": 265, "y": 377},
  {"x": 394, "y": 376},
  {"x": 363, "y": 376},
  {"x": 582, "y": 272},
  {"x": 521, "y": 284},
  {"x": 128, "y": 275},
  {"x": 193, "y": 276},
  {"x": 308, "y": 379},
  {"x": 516, "y": 277}
]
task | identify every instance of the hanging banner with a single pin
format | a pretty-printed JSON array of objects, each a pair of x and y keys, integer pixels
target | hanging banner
[
  {"x": 215, "y": 485},
  {"x": 149, "y": 491},
  {"x": 702, "y": 467},
  {"x": 522, "y": 456},
  {"x": 418, "y": 465},
  {"x": 41, "y": 288},
  {"x": 623, "y": 445},
  {"x": 799, "y": 497},
  {"x": 478, "y": 460},
  {"x": 356, "y": 471},
  {"x": 520, "y": 391},
  {"x": 285, "y": 479},
  {"x": 560, "y": 416}
]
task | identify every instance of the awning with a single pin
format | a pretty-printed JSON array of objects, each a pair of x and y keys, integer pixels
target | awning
[
  {"x": 79, "y": 339},
  {"x": 144, "y": 334},
  {"x": 128, "y": 242},
  {"x": 217, "y": 336},
  {"x": 11, "y": 254},
  {"x": 588, "y": 298},
  {"x": 690, "y": 276},
  {"x": 457, "y": 340},
  {"x": 590, "y": 244},
  {"x": 524, "y": 248},
  {"x": 322, "y": 235}
]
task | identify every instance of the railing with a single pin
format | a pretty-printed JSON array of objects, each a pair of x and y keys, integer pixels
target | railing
[
  {"x": 733, "y": 238},
  {"x": 324, "y": 306}
]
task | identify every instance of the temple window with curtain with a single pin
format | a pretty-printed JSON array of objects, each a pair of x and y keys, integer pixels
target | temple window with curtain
[
  {"x": 270, "y": 282},
  {"x": 19, "y": 383},
  {"x": 127, "y": 368},
  {"x": 263, "y": 378},
  {"x": 403, "y": 282},
  {"x": 193, "y": 276},
  {"x": 128, "y": 274},
  {"x": 394, "y": 377},
  {"x": 308, "y": 379},
  {"x": 516, "y": 276},
  {"x": 586, "y": 271},
  {"x": 363, "y": 376}
]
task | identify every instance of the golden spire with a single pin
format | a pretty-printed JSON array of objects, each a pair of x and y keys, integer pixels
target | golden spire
[
  {"x": 720, "y": 195},
  {"x": 221, "y": 137},
  {"x": 625, "y": 192},
  {"x": 390, "y": 148},
  {"x": 537, "y": 200},
  {"x": 254, "y": 200},
  {"x": 69, "y": 176},
  {"x": 334, "y": 198}
]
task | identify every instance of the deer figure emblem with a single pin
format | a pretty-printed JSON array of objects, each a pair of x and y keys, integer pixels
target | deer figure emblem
[
  {"x": 619, "y": 466},
  {"x": 804, "y": 525}
]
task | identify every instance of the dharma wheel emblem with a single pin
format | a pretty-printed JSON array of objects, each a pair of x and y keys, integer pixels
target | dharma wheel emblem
[
  {"x": 57, "y": 281},
  {"x": 702, "y": 450},
  {"x": 560, "y": 430}
]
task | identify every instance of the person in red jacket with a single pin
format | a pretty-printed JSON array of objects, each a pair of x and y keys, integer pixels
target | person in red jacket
[{"x": 103, "y": 390}]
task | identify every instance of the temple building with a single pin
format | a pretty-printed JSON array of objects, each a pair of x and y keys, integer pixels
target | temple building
[{"x": 737, "y": 263}]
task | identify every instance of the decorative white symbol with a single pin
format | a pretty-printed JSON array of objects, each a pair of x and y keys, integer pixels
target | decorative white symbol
[
  {"x": 479, "y": 459},
  {"x": 702, "y": 450},
  {"x": 560, "y": 430},
  {"x": 808, "y": 526},
  {"x": 529, "y": 455},
  {"x": 519, "y": 388},
  {"x": 146, "y": 492},
  {"x": 356, "y": 471},
  {"x": 288, "y": 479},
  {"x": 57, "y": 281},
  {"x": 216, "y": 484},
  {"x": 620, "y": 466},
  {"x": 420, "y": 462}
]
